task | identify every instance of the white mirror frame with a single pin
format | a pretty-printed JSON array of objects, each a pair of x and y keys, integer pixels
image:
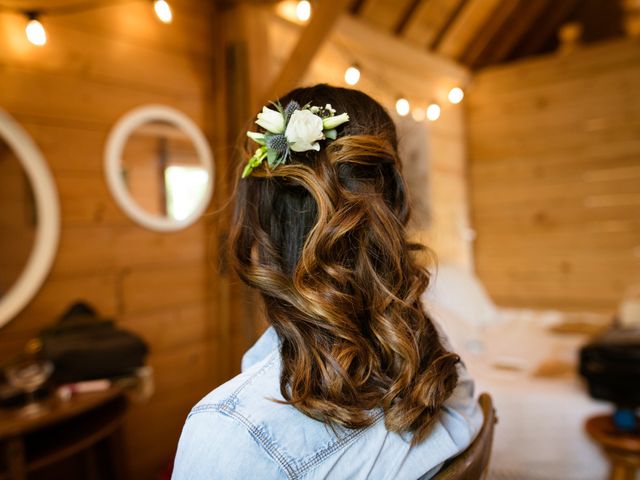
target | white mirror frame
[
  {"x": 47, "y": 234},
  {"x": 116, "y": 142}
]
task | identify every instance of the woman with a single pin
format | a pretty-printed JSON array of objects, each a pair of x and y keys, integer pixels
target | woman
[{"x": 352, "y": 379}]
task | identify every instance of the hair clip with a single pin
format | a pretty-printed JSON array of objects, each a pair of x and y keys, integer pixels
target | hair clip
[{"x": 294, "y": 128}]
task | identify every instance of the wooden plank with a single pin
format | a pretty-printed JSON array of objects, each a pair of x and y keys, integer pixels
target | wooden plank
[
  {"x": 428, "y": 20},
  {"x": 499, "y": 22},
  {"x": 173, "y": 329},
  {"x": 603, "y": 57},
  {"x": 468, "y": 23},
  {"x": 155, "y": 289},
  {"x": 102, "y": 58},
  {"x": 111, "y": 248},
  {"x": 406, "y": 16},
  {"x": 546, "y": 27},
  {"x": 526, "y": 18},
  {"x": 319, "y": 28},
  {"x": 56, "y": 295},
  {"x": 383, "y": 14}
]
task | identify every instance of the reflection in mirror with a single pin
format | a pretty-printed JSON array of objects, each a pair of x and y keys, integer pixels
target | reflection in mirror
[
  {"x": 18, "y": 218},
  {"x": 162, "y": 171}
]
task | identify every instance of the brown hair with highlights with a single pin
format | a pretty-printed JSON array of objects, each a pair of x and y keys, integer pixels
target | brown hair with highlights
[{"x": 322, "y": 238}]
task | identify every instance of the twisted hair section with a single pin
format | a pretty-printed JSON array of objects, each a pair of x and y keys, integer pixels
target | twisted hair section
[{"x": 323, "y": 240}]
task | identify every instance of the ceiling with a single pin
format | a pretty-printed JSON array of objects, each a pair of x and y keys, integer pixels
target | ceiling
[{"x": 479, "y": 33}]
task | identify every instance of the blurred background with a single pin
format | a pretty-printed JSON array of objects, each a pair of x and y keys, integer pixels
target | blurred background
[{"x": 519, "y": 124}]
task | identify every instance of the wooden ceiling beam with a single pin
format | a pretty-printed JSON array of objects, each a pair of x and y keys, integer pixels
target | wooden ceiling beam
[
  {"x": 356, "y": 7},
  {"x": 433, "y": 41},
  {"x": 407, "y": 15},
  {"x": 472, "y": 17},
  {"x": 547, "y": 27},
  {"x": 528, "y": 16},
  {"x": 427, "y": 20},
  {"x": 383, "y": 14},
  {"x": 311, "y": 39},
  {"x": 494, "y": 25}
]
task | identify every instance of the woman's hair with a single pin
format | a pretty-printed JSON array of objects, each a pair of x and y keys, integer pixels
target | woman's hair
[{"x": 322, "y": 238}]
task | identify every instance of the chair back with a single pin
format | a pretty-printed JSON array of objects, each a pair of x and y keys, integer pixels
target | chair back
[{"x": 473, "y": 463}]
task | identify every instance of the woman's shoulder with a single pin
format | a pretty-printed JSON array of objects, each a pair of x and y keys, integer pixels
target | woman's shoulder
[
  {"x": 247, "y": 417},
  {"x": 245, "y": 426}
]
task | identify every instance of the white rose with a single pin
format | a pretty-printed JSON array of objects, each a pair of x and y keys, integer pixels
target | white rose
[
  {"x": 303, "y": 131},
  {"x": 271, "y": 120}
]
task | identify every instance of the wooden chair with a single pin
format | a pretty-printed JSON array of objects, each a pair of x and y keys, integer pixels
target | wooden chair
[{"x": 473, "y": 463}]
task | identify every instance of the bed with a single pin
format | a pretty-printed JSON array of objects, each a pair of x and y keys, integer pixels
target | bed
[{"x": 526, "y": 360}]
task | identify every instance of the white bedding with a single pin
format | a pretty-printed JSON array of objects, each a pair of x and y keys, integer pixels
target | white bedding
[{"x": 540, "y": 433}]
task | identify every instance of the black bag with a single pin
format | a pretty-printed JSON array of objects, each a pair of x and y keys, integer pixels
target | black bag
[
  {"x": 611, "y": 366},
  {"x": 83, "y": 346}
]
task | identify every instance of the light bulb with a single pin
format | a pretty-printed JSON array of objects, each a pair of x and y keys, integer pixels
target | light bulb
[
  {"x": 402, "y": 107},
  {"x": 303, "y": 10},
  {"x": 352, "y": 75},
  {"x": 36, "y": 33},
  {"x": 456, "y": 94},
  {"x": 433, "y": 112},
  {"x": 418, "y": 114},
  {"x": 163, "y": 11}
]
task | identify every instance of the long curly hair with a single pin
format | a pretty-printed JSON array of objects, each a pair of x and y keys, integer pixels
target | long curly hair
[{"x": 322, "y": 238}]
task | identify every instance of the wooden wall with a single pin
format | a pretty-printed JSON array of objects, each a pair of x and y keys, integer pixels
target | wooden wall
[
  {"x": 391, "y": 68},
  {"x": 554, "y": 148},
  {"x": 96, "y": 66},
  {"x": 17, "y": 218}
]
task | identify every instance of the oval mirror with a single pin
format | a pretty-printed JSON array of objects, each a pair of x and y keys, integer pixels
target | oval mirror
[
  {"x": 159, "y": 168},
  {"x": 29, "y": 218}
]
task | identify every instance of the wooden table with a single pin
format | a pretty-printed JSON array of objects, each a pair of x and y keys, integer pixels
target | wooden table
[
  {"x": 621, "y": 449},
  {"x": 80, "y": 426}
]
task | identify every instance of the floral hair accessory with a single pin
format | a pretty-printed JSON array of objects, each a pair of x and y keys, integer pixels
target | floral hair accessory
[{"x": 293, "y": 128}]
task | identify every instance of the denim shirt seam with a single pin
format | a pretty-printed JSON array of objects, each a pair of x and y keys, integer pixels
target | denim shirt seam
[
  {"x": 228, "y": 405},
  {"x": 227, "y": 409},
  {"x": 252, "y": 378},
  {"x": 323, "y": 454}
]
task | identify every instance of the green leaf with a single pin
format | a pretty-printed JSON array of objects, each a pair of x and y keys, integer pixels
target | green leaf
[{"x": 272, "y": 157}]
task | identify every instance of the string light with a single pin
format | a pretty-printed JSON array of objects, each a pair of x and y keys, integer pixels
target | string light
[
  {"x": 303, "y": 10},
  {"x": 403, "y": 107},
  {"x": 433, "y": 112},
  {"x": 163, "y": 11},
  {"x": 456, "y": 94},
  {"x": 352, "y": 75},
  {"x": 36, "y": 34},
  {"x": 418, "y": 114}
]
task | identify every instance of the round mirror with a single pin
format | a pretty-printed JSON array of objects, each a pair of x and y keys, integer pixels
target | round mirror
[
  {"x": 159, "y": 168},
  {"x": 29, "y": 218}
]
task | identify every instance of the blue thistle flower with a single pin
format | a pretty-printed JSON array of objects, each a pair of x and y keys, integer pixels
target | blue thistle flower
[
  {"x": 291, "y": 107},
  {"x": 277, "y": 143}
]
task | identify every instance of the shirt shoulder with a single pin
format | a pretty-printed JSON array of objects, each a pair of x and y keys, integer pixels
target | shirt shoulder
[{"x": 294, "y": 442}]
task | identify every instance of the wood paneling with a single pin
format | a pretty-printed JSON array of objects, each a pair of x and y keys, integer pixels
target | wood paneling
[
  {"x": 430, "y": 18},
  {"x": 96, "y": 66},
  {"x": 555, "y": 164},
  {"x": 467, "y": 24},
  {"x": 384, "y": 14}
]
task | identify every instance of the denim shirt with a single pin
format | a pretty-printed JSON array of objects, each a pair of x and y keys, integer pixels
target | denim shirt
[{"x": 238, "y": 432}]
